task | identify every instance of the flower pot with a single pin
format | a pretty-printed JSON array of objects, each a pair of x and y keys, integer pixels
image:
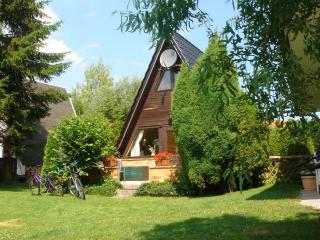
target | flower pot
[
  {"x": 166, "y": 162},
  {"x": 110, "y": 163},
  {"x": 309, "y": 183}
]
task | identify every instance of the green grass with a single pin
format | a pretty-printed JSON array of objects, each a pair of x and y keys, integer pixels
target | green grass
[{"x": 270, "y": 212}]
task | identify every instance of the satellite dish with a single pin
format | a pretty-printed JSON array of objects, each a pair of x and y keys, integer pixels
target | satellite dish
[{"x": 168, "y": 58}]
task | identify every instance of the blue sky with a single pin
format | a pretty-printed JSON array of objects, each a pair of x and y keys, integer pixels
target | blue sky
[{"x": 89, "y": 31}]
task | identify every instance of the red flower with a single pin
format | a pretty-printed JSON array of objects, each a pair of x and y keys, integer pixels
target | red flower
[{"x": 163, "y": 155}]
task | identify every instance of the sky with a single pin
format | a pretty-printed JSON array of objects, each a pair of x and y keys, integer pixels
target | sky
[{"x": 89, "y": 31}]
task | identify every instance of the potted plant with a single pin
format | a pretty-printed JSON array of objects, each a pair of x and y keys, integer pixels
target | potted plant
[
  {"x": 110, "y": 162},
  {"x": 308, "y": 179},
  {"x": 163, "y": 159}
]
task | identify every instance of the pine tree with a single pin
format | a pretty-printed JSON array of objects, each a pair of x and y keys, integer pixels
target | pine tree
[{"x": 23, "y": 29}]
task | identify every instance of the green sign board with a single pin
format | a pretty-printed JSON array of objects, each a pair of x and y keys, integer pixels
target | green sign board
[{"x": 136, "y": 173}]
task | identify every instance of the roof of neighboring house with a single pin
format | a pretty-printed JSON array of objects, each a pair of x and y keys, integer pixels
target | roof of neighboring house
[
  {"x": 188, "y": 53},
  {"x": 34, "y": 154},
  {"x": 57, "y": 111}
]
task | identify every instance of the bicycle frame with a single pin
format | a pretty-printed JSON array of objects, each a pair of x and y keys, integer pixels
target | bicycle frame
[
  {"x": 44, "y": 181},
  {"x": 75, "y": 186}
]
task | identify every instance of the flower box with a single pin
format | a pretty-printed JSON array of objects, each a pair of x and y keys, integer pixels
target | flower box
[
  {"x": 164, "y": 159},
  {"x": 110, "y": 162}
]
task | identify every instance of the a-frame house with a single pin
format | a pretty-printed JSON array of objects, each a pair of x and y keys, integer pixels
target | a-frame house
[{"x": 148, "y": 128}]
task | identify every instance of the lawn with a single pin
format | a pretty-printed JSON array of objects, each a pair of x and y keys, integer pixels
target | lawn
[{"x": 270, "y": 212}]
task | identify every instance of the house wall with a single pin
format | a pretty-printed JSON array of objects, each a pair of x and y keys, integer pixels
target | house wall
[
  {"x": 156, "y": 173},
  {"x": 155, "y": 112}
]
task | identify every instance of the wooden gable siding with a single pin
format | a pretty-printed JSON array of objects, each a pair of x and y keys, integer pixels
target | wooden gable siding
[
  {"x": 154, "y": 111},
  {"x": 157, "y": 114},
  {"x": 157, "y": 106}
]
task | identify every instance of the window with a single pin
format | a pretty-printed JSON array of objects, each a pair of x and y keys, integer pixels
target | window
[
  {"x": 167, "y": 81},
  {"x": 146, "y": 143}
]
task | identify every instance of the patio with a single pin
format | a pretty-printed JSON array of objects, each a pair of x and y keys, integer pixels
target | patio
[{"x": 310, "y": 198}]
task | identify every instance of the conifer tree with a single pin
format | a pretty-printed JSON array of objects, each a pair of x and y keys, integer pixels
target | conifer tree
[
  {"x": 23, "y": 29},
  {"x": 216, "y": 128}
]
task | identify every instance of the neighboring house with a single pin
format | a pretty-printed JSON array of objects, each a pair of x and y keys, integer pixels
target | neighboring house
[
  {"x": 148, "y": 128},
  {"x": 33, "y": 156}
]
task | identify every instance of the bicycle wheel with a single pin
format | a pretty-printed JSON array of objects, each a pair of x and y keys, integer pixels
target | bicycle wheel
[
  {"x": 58, "y": 190},
  {"x": 72, "y": 187},
  {"x": 56, "y": 186},
  {"x": 52, "y": 189},
  {"x": 34, "y": 187},
  {"x": 80, "y": 189}
]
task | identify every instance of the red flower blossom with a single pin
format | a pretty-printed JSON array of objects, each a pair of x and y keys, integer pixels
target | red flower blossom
[{"x": 163, "y": 155}]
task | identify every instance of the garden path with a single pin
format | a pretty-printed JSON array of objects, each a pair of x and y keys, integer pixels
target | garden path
[{"x": 310, "y": 198}]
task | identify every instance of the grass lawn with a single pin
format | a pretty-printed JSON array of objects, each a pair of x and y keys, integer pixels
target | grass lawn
[{"x": 270, "y": 212}]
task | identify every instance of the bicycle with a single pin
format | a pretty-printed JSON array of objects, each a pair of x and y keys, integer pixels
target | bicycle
[
  {"x": 74, "y": 183},
  {"x": 50, "y": 183}
]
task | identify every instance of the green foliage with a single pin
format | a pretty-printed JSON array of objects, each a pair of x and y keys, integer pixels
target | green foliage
[
  {"x": 101, "y": 97},
  {"x": 218, "y": 140},
  {"x": 158, "y": 189},
  {"x": 259, "y": 37},
  {"x": 261, "y": 33},
  {"x": 85, "y": 140},
  {"x": 285, "y": 142},
  {"x": 249, "y": 149},
  {"x": 161, "y": 18},
  {"x": 22, "y": 32},
  {"x": 108, "y": 188}
]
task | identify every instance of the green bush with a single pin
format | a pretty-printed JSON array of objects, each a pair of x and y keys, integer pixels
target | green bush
[
  {"x": 85, "y": 140},
  {"x": 286, "y": 141},
  {"x": 217, "y": 130},
  {"x": 108, "y": 188},
  {"x": 158, "y": 189}
]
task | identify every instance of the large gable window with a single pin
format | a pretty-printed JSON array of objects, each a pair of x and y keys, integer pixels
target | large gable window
[
  {"x": 167, "y": 81},
  {"x": 146, "y": 143}
]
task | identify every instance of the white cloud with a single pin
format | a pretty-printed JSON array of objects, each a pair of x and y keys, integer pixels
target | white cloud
[
  {"x": 51, "y": 17},
  {"x": 92, "y": 14},
  {"x": 52, "y": 45}
]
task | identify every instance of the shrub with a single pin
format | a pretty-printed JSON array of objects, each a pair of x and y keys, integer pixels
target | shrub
[
  {"x": 286, "y": 141},
  {"x": 158, "y": 189},
  {"x": 76, "y": 138},
  {"x": 216, "y": 128},
  {"x": 108, "y": 188}
]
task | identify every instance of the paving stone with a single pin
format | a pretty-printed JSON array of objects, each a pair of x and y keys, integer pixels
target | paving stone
[{"x": 310, "y": 198}]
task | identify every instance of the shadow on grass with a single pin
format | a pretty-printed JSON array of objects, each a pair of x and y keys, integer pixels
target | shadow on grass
[
  {"x": 278, "y": 191},
  {"x": 228, "y": 227},
  {"x": 13, "y": 186}
]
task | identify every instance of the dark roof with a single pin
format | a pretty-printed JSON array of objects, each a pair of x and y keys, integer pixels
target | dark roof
[
  {"x": 34, "y": 154},
  {"x": 188, "y": 53},
  {"x": 57, "y": 111}
]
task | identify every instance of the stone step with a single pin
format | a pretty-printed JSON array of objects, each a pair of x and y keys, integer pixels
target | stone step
[{"x": 122, "y": 193}]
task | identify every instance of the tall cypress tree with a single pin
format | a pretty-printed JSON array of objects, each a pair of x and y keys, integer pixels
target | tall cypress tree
[{"x": 23, "y": 29}]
